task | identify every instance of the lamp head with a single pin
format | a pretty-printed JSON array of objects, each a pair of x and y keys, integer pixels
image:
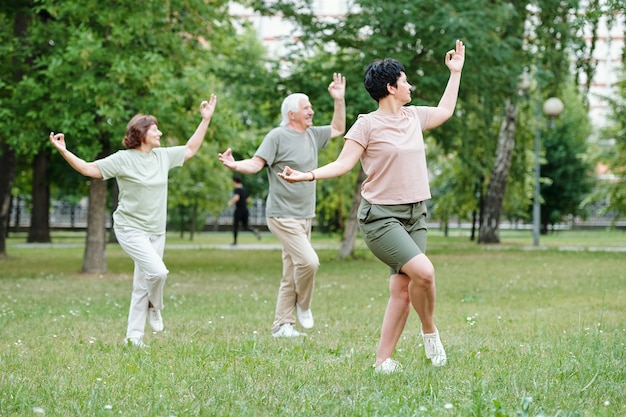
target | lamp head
[{"x": 552, "y": 107}]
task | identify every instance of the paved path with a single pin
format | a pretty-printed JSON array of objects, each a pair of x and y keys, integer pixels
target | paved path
[{"x": 276, "y": 246}]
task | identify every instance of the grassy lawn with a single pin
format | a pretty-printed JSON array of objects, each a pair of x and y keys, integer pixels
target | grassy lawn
[{"x": 528, "y": 331}]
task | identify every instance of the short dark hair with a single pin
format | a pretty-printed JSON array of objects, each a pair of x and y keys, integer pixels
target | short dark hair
[
  {"x": 137, "y": 129},
  {"x": 237, "y": 179},
  {"x": 379, "y": 74}
]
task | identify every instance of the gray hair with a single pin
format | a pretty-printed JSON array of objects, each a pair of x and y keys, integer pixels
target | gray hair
[{"x": 291, "y": 103}]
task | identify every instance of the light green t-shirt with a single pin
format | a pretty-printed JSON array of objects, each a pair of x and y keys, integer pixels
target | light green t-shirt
[
  {"x": 142, "y": 181},
  {"x": 284, "y": 146}
]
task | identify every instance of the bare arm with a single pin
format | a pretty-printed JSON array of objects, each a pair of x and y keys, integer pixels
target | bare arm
[
  {"x": 245, "y": 166},
  {"x": 88, "y": 169},
  {"x": 455, "y": 59},
  {"x": 195, "y": 141},
  {"x": 337, "y": 90},
  {"x": 346, "y": 160}
]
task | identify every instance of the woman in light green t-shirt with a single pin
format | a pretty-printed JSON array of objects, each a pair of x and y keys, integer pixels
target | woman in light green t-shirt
[{"x": 141, "y": 172}]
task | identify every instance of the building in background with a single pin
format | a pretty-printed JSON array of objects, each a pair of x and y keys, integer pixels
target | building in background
[
  {"x": 279, "y": 35},
  {"x": 607, "y": 57}
]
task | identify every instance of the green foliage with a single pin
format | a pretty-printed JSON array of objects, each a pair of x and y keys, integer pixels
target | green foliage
[
  {"x": 568, "y": 169},
  {"x": 502, "y": 39},
  {"x": 612, "y": 190},
  {"x": 528, "y": 333},
  {"x": 454, "y": 194},
  {"x": 85, "y": 70}
]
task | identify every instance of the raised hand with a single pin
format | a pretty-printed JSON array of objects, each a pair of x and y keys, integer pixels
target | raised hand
[
  {"x": 58, "y": 141},
  {"x": 208, "y": 107},
  {"x": 337, "y": 88},
  {"x": 455, "y": 58}
]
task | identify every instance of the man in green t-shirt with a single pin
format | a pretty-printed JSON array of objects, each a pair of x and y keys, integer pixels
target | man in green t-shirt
[{"x": 290, "y": 208}]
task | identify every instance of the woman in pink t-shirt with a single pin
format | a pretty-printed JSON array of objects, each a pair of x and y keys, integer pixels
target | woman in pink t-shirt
[{"x": 390, "y": 145}]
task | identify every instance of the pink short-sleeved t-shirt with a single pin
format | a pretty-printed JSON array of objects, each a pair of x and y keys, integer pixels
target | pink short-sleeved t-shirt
[{"x": 395, "y": 156}]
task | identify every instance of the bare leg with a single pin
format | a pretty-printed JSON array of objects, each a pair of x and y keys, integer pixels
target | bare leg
[
  {"x": 396, "y": 315},
  {"x": 422, "y": 290}
]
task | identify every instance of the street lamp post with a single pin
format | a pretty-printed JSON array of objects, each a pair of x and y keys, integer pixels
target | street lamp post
[{"x": 552, "y": 107}]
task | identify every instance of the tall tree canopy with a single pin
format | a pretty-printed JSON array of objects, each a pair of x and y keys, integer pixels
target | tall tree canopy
[
  {"x": 84, "y": 69},
  {"x": 503, "y": 40}
]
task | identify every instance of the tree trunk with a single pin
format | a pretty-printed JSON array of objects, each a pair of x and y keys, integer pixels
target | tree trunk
[
  {"x": 8, "y": 157},
  {"x": 39, "y": 230},
  {"x": 478, "y": 212},
  {"x": 8, "y": 166},
  {"x": 352, "y": 226},
  {"x": 115, "y": 193},
  {"x": 194, "y": 218},
  {"x": 94, "y": 259},
  {"x": 490, "y": 223},
  {"x": 474, "y": 220}
]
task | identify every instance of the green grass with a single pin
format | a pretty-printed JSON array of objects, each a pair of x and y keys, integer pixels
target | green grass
[{"x": 528, "y": 332}]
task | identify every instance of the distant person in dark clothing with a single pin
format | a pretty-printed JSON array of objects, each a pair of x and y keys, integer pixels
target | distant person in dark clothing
[{"x": 241, "y": 199}]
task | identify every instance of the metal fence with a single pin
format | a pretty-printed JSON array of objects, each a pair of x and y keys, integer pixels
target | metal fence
[{"x": 64, "y": 215}]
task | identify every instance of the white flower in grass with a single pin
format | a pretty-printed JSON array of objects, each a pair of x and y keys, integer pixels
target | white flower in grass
[
  {"x": 108, "y": 407},
  {"x": 422, "y": 408},
  {"x": 39, "y": 410},
  {"x": 607, "y": 403},
  {"x": 448, "y": 406}
]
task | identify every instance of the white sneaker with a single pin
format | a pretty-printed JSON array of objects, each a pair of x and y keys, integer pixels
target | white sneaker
[
  {"x": 155, "y": 319},
  {"x": 389, "y": 366},
  {"x": 136, "y": 342},
  {"x": 434, "y": 348},
  {"x": 305, "y": 317},
  {"x": 287, "y": 330}
]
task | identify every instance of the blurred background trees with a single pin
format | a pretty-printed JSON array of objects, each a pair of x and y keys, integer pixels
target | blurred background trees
[{"x": 85, "y": 69}]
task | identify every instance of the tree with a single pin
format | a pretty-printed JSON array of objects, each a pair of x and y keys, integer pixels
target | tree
[
  {"x": 94, "y": 67},
  {"x": 376, "y": 30},
  {"x": 204, "y": 186},
  {"x": 14, "y": 24},
  {"x": 548, "y": 34},
  {"x": 568, "y": 172},
  {"x": 612, "y": 189}
]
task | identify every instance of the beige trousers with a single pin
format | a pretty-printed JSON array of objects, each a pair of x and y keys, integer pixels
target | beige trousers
[{"x": 300, "y": 264}]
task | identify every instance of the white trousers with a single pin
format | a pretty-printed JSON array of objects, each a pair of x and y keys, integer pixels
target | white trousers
[{"x": 146, "y": 251}]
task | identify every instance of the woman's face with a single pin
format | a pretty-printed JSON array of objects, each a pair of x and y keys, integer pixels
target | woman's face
[
  {"x": 153, "y": 137},
  {"x": 403, "y": 89}
]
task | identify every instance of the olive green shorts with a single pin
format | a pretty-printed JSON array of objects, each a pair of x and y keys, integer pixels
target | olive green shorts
[{"x": 394, "y": 233}]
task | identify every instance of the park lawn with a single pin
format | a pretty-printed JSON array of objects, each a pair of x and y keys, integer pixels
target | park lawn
[{"x": 528, "y": 332}]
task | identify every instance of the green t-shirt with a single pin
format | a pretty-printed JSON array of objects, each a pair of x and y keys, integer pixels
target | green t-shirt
[
  {"x": 283, "y": 146},
  {"x": 142, "y": 182}
]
